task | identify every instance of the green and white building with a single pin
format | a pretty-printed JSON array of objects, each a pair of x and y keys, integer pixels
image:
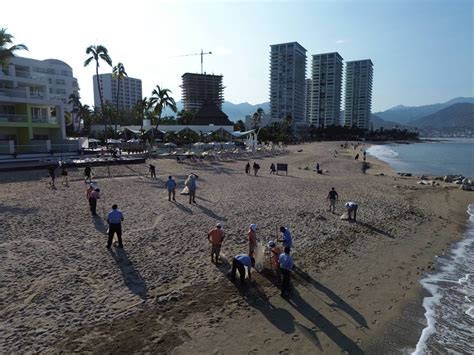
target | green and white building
[{"x": 34, "y": 104}]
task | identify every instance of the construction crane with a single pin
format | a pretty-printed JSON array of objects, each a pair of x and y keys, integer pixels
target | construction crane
[{"x": 202, "y": 54}]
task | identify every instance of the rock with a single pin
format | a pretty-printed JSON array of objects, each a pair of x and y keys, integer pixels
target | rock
[
  {"x": 458, "y": 182},
  {"x": 467, "y": 187},
  {"x": 380, "y": 174}
]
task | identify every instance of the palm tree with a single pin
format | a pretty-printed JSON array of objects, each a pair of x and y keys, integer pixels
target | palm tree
[
  {"x": 6, "y": 53},
  {"x": 118, "y": 74},
  {"x": 142, "y": 110},
  {"x": 257, "y": 117},
  {"x": 160, "y": 99},
  {"x": 96, "y": 53}
]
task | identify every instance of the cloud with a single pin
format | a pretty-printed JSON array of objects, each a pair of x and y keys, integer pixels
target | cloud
[{"x": 340, "y": 41}]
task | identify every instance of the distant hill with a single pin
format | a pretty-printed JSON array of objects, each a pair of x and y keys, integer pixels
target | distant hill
[
  {"x": 457, "y": 116},
  {"x": 406, "y": 114},
  {"x": 234, "y": 111},
  {"x": 378, "y": 123}
]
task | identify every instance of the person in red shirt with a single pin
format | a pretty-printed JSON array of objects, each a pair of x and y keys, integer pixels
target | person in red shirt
[
  {"x": 252, "y": 237},
  {"x": 216, "y": 237}
]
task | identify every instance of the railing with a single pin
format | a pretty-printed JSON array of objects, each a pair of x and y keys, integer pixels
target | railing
[
  {"x": 6, "y": 117},
  {"x": 45, "y": 119},
  {"x": 12, "y": 92}
]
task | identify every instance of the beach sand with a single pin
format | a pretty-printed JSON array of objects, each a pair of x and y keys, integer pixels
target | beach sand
[{"x": 62, "y": 290}]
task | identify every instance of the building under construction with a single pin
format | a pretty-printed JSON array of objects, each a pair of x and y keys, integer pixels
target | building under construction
[{"x": 197, "y": 88}]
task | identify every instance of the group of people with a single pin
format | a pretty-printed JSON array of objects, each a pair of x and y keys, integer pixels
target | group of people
[
  {"x": 281, "y": 260},
  {"x": 52, "y": 175},
  {"x": 351, "y": 206},
  {"x": 256, "y": 168}
]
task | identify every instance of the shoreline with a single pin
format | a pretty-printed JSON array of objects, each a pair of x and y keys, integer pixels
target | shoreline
[
  {"x": 403, "y": 332},
  {"x": 162, "y": 293}
]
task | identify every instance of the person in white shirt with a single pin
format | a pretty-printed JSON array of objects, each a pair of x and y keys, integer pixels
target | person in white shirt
[{"x": 352, "y": 210}]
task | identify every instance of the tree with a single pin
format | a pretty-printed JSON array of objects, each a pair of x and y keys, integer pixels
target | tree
[
  {"x": 142, "y": 110},
  {"x": 160, "y": 99},
  {"x": 185, "y": 117},
  {"x": 257, "y": 117},
  {"x": 96, "y": 53},
  {"x": 239, "y": 126},
  {"x": 118, "y": 73},
  {"x": 6, "y": 51}
]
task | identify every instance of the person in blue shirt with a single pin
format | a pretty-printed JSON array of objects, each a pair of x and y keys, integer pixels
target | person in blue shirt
[
  {"x": 286, "y": 237},
  {"x": 114, "y": 219},
  {"x": 239, "y": 263},
  {"x": 352, "y": 210},
  {"x": 286, "y": 264},
  {"x": 171, "y": 186}
]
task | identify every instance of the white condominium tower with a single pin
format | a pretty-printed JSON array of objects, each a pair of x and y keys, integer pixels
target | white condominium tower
[
  {"x": 130, "y": 91},
  {"x": 358, "y": 93},
  {"x": 326, "y": 90},
  {"x": 287, "y": 81},
  {"x": 307, "y": 99}
]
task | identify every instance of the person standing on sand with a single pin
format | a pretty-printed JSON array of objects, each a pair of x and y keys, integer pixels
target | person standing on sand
[
  {"x": 239, "y": 263},
  {"x": 275, "y": 251},
  {"x": 256, "y": 167},
  {"x": 93, "y": 197},
  {"x": 115, "y": 219},
  {"x": 247, "y": 168},
  {"x": 171, "y": 186},
  {"x": 352, "y": 209},
  {"x": 252, "y": 238},
  {"x": 64, "y": 175},
  {"x": 272, "y": 169},
  {"x": 52, "y": 175},
  {"x": 332, "y": 197},
  {"x": 216, "y": 237},
  {"x": 357, "y": 156},
  {"x": 365, "y": 155},
  {"x": 152, "y": 170},
  {"x": 286, "y": 238},
  {"x": 192, "y": 186},
  {"x": 88, "y": 174},
  {"x": 286, "y": 264}
]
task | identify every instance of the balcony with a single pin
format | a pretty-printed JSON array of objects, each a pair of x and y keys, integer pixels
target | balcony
[
  {"x": 45, "y": 119},
  {"x": 12, "y": 118}
]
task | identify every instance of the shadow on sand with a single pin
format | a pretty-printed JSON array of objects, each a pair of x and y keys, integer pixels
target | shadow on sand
[
  {"x": 210, "y": 213},
  {"x": 99, "y": 225},
  {"x": 131, "y": 276},
  {"x": 375, "y": 229},
  {"x": 183, "y": 207},
  {"x": 338, "y": 302},
  {"x": 323, "y": 324}
]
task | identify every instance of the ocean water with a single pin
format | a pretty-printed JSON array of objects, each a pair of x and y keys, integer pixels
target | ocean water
[
  {"x": 439, "y": 157},
  {"x": 449, "y": 311}
]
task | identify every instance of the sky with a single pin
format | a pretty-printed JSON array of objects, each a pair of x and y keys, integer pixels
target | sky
[{"x": 422, "y": 50}]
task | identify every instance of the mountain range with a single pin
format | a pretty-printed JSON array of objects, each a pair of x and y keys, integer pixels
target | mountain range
[{"x": 453, "y": 116}]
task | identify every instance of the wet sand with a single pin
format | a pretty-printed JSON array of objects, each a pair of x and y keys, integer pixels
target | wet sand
[{"x": 62, "y": 290}]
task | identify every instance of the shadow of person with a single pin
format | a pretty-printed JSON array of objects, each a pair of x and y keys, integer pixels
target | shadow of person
[
  {"x": 321, "y": 322},
  {"x": 210, "y": 213},
  {"x": 183, "y": 207},
  {"x": 375, "y": 229},
  {"x": 338, "y": 302},
  {"x": 256, "y": 298},
  {"x": 131, "y": 276},
  {"x": 99, "y": 225}
]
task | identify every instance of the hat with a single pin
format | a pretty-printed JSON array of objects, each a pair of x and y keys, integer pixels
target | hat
[
  {"x": 218, "y": 225},
  {"x": 253, "y": 227},
  {"x": 271, "y": 244}
]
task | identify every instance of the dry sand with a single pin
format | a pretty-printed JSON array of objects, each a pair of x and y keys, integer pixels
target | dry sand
[{"x": 62, "y": 290}]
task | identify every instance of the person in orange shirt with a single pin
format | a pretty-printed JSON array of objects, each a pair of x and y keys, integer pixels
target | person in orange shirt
[
  {"x": 216, "y": 237},
  {"x": 275, "y": 251},
  {"x": 252, "y": 237}
]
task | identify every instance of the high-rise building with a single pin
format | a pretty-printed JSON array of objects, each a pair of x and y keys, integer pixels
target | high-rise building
[
  {"x": 34, "y": 100},
  {"x": 307, "y": 100},
  {"x": 287, "y": 81},
  {"x": 358, "y": 93},
  {"x": 199, "y": 88},
  {"x": 326, "y": 89},
  {"x": 130, "y": 91}
]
